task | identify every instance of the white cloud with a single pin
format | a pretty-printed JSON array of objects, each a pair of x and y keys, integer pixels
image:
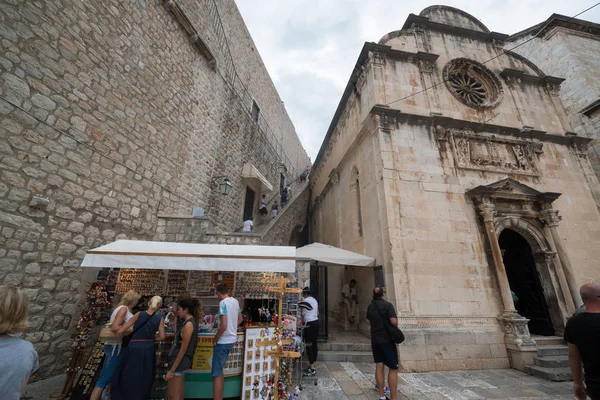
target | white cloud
[{"x": 311, "y": 46}]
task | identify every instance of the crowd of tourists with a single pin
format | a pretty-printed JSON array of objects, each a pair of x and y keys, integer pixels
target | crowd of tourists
[{"x": 129, "y": 367}]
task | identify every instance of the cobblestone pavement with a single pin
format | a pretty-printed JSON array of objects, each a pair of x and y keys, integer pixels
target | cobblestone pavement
[{"x": 356, "y": 381}]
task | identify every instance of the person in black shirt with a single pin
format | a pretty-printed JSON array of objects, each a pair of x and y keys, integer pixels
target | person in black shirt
[
  {"x": 583, "y": 335},
  {"x": 385, "y": 353}
]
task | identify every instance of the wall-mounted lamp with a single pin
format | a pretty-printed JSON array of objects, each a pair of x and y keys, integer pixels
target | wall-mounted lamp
[{"x": 225, "y": 186}]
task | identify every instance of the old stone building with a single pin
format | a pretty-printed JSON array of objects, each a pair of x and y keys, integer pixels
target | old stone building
[
  {"x": 452, "y": 163},
  {"x": 569, "y": 48},
  {"x": 116, "y": 118}
]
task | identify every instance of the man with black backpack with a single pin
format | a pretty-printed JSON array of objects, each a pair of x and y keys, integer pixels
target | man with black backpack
[{"x": 382, "y": 318}]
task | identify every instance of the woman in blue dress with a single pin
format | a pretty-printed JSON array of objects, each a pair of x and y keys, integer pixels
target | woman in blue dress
[{"x": 135, "y": 375}]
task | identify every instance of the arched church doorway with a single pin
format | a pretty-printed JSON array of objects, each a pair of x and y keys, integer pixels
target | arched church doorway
[{"x": 525, "y": 283}]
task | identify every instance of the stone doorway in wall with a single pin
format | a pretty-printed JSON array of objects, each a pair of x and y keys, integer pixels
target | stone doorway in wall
[
  {"x": 525, "y": 282},
  {"x": 249, "y": 204}
]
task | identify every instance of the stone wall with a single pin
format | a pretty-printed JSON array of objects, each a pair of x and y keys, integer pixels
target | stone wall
[
  {"x": 110, "y": 116},
  {"x": 575, "y": 56}
]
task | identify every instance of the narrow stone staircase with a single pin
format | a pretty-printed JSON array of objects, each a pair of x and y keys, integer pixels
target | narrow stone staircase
[{"x": 552, "y": 360}]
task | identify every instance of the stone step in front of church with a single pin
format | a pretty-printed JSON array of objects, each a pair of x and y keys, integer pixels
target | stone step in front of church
[{"x": 552, "y": 360}]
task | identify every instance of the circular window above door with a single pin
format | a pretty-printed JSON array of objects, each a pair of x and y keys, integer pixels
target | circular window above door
[{"x": 472, "y": 83}]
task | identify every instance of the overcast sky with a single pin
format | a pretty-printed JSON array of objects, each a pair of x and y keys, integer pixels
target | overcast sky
[{"x": 311, "y": 46}]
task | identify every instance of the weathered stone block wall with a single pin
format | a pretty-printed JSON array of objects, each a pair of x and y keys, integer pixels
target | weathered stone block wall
[
  {"x": 252, "y": 72},
  {"x": 108, "y": 117},
  {"x": 574, "y": 56}
]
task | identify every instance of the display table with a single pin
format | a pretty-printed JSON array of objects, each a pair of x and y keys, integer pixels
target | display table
[{"x": 198, "y": 380}]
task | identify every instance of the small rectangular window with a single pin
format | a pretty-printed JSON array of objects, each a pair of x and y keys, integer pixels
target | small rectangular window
[{"x": 255, "y": 111}]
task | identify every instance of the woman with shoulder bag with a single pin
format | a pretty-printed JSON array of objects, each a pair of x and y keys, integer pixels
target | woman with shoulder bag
[
  {"x": 135, "y": 375},
  {"x": 182, "y": 353},
  {"x": 112, "y": 341}
]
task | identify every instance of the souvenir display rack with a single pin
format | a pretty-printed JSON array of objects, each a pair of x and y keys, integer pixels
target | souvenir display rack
[
  {"x": 96, "y": 312},
  {"x": 90, "y": 374},
  {"x": 177, "y": 283},
  {"x": 148, "y": 282}
]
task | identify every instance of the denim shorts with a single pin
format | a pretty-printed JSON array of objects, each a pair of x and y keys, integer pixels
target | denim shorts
[
  {"x": 111, "y": 362},
  {"x": 220, "y": 354}
]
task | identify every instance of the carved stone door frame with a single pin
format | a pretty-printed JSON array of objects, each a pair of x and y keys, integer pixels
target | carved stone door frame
[{"x": 509, "y": 204}]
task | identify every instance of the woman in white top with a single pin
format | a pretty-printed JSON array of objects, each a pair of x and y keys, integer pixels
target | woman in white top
[
  {"x": 18, "y": 359},
  {"x": 112, "y": 355}
]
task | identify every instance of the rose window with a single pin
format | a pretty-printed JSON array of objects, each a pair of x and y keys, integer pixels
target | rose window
[{"x": 472, "y": 83}]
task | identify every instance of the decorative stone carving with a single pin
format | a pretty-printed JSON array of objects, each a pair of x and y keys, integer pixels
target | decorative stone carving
[
  {"x": 334, "y": 177},
  {"x": 487, "y": 210},
  {"x": 553, "y": 88},
  {"x": 495, "y": 154},
  {"x": 516, "y": 333},
  {"x": 386, "y": 123},
  {"x": 440, "y": 133},
  {"x": 426, "y": 66},
  {"x": 377, "y": 58},
  {"x": 579, "y": 149},
  {"x": 472, "y": 83},
  {"x": 512, "y": 81},
  {"x": 550, "y": 217}
]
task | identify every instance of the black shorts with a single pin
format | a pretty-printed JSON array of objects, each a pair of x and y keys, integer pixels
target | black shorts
[{"x": 386, "y": 353}]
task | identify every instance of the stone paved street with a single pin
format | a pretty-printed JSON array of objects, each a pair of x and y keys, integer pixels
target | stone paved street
[{"x": 356, "y": 381}]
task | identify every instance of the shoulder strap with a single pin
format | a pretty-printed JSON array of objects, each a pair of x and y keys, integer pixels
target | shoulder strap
[
  {"x": 385, "y": 319},
  {"x": 143, "y": 323}
]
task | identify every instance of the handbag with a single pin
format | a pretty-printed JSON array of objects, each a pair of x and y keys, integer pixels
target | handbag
[
  {"x": 127, "y": 339},
  {"x": 106, "y": 335},
  {"x": 396, "y": 334}
]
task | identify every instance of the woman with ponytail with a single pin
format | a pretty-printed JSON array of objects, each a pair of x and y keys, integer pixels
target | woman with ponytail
[
  {"x": 135, "y": 376},
  {"x": 182, "y": 353}
]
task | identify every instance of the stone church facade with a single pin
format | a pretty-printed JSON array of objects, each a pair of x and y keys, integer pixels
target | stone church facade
[
  {"x": 569, "y": 48},
  {"x": 116, "y": 118},
  {"x": 455, "y": 166}
]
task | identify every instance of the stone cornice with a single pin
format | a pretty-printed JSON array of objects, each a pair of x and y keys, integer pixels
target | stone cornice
[
  {"x": 534, "y": 79},
  {"x": 424, "y": 22},
  {"x": 569, "y": 139},
  {"x": 557, "y": 20}
]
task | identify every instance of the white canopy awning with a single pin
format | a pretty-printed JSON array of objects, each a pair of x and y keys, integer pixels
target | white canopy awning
[
  {"x": 326, "y": 254},
  {"x": 192, "y": 256},
  {"x": 250, "y": 172}
]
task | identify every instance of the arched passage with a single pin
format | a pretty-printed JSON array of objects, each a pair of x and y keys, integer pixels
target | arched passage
[{"x": 525, "y": 283}]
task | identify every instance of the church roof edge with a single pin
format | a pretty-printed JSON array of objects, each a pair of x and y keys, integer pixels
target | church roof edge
[{"x": 554, "y": 20}]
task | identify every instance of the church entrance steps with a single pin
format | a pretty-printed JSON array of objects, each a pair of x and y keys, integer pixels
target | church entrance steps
[
  {"x": 551, "y": 374},
  {"x": 548, "y": 340},
  {"x": 552, "y": 360},
  {"x": 553, "y": 350}
]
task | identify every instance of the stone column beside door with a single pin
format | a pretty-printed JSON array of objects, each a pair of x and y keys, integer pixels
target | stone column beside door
[
  {"x": 550, "y": 217},
  {"x": 519, "y": 345}
]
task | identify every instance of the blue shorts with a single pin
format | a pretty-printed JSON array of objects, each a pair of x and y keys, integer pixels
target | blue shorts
[
  {"x": 111, "y": 362},
  {"x": 220, "y": 354},
  {"x": 178, "y": 373}
]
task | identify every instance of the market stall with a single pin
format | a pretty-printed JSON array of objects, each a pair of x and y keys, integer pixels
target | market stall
[{"x": 253, "y": 274}]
